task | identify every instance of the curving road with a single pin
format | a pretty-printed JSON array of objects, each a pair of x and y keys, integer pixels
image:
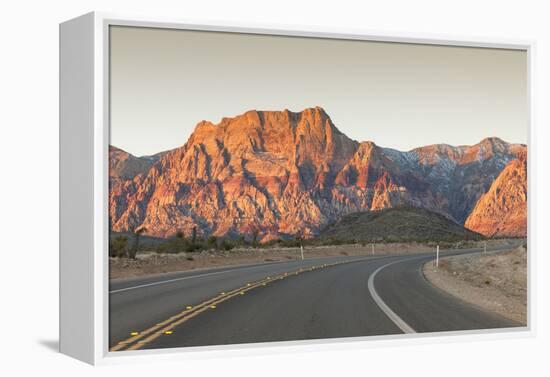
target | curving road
[{"x": 312, "y": 299}]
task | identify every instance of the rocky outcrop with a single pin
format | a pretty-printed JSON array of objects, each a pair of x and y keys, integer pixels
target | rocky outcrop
[
  {"x": 279, "y": 173},
  {"x": 126, "y": 166},
  {"x": 502, "y": 211}
]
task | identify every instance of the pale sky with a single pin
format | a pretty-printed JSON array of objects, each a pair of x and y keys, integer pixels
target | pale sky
[{"x": 402, "y": 96}]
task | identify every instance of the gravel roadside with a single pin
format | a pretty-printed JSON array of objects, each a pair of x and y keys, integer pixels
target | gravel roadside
[
  {"x": 148, "y": 263},
  {"x": 494, "y": 282}
]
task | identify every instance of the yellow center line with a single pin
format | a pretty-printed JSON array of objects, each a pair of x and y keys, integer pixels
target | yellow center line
[
  {"x": 184, "y": 313},
  {"x": 178, "y": 322},
  {"x": 189, "y": 309},
  {"x": 167, "y": 326}
]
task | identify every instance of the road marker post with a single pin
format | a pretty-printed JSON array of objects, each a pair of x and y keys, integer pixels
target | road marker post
[
  {"x": 302, "y": 251},
  {"x": 372, "y": 248},
  {"x": 437, "y": 256}
]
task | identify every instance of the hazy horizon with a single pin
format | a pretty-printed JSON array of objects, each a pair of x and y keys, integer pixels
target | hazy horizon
[
  {"x": 400, "y": 96},
  {"x": 360, "y": 141}
]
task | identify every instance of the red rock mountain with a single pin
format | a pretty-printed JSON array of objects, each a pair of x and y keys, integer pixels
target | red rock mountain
[
  {"x": 281, "y": 173},
  {"x": 502, "y": 211}
]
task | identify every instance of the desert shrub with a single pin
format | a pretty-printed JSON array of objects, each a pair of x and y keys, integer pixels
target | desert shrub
[
  {"x": 194, "y": 246},
  {"x": 290, "y": 243},
  {"x": 241, "y": 241},
  {"x": 212, "y": 242},
  {"x": 182, "y": 244},
  {"x": 118, "y": 247},
  {"x": 227, "y": 245},
  {"x": 172, "y": 246}
]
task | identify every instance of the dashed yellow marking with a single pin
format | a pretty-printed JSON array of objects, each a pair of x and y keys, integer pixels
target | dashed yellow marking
[
  {"x": 155, "y": 329},
  {"x": 166, "y": 327}
]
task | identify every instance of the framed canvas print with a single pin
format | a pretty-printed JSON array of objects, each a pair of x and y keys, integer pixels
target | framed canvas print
[{"x": 224, "y": 186}]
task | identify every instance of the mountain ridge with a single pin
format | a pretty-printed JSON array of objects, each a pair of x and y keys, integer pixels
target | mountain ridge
[{"x": 280, "y": 173}]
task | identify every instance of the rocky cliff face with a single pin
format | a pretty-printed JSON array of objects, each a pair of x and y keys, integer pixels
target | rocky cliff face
[
  {"x": 125, "y": 173},
  {"x": 502, "y": 211},
  {"x": 280, "y": 173}
]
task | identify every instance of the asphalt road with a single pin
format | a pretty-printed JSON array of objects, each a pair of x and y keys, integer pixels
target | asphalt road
[{"x": 317, "y": 298}]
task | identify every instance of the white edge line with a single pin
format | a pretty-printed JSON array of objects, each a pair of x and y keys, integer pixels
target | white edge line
[
  {"x": 373, "y": 291},
  {"x": 193, "y": 276},
  {"x": 398, "y": 321},
  {"x": 168, "y": 281}
]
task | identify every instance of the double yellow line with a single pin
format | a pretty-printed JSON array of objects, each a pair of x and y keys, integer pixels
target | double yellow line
[{"x": 166, "y": 327}]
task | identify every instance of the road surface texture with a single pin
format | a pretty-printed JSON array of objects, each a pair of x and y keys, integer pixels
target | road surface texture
[{"x": 296, "y": 300}]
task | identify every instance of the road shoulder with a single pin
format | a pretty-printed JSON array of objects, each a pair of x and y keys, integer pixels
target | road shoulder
[{"x": 494, "y": 282}]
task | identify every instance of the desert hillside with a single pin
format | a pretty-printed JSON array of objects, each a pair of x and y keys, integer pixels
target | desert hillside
[{"x": 396, "y": 225}]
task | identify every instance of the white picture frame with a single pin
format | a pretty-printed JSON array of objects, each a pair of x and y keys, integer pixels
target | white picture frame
[{"x": 84, "y": 122}]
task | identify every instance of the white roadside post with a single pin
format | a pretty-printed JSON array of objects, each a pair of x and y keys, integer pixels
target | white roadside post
[
  {"x": 437, "y": 256},
  {"x": 300, "y": 237},
  {"x": 372, "y": 248}
]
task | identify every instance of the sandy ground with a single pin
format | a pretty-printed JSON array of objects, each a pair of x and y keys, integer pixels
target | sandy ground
[
  {"x": 495, "y": 282},
  {"x": 154, "y": 263}
]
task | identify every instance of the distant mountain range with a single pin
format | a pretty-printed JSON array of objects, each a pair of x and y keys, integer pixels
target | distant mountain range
[{"x": 283, "y": 173}]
